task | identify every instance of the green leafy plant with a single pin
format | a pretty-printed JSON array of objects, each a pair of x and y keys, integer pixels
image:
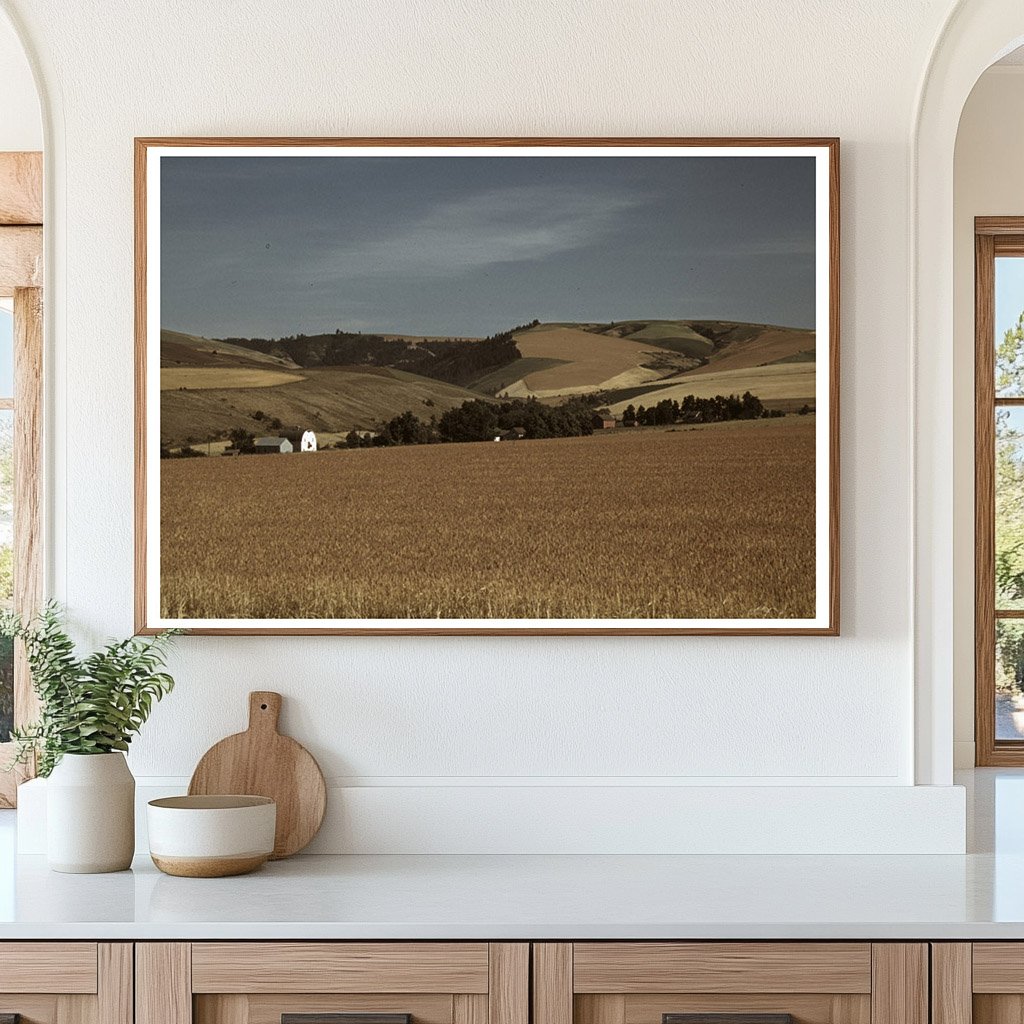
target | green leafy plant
[{"x": 90, "y": 705}]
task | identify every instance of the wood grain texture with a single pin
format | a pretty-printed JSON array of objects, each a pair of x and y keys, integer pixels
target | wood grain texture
[
  {"x": 208, "y": 867},
  {"x": 21, "y": 259},
  {"x": 899, "y": 983},
  {"x": 35, "y": 1009},
  {"x": 998, "y": 967},
  {"x": 999, "y": 226},
  {"x": 163, "y": 983},
  {"x": 984, "y": 502},
  {"x": 468, "y": 1009},
  {"x": 21, "y": 188},
  {"x": 599, "y": 1009},
  {"x": 115, "y": 1000},
  {"x": 424, "y": 1009},
  {"x": 509, "y": 983},
  {"x": 998, "y": 1009},
  {"x": 318, "y": 1017},
  {"x": 303, "y": 967},
  {"x": 951, "y": 983},
  {"x": 806, "y": 1008},
  {"x": 722, "y": 967},
  {"x": 241, "y": 1008},
  {"x": 50, "y": 967},
  {"x": 262, "y": 762},
  {"x": 230, "y": 1008},
  {"x": 141, "y": 625},
  {"x": 552, "y": 983},
  {"x": 28, "y": 483},
  {"x": 831, "y": 144},
  {"x": 994, "y": 237},
  {"x": 728, "y": 1018}
]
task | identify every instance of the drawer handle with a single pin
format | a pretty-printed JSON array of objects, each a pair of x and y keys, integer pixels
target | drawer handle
[
  {"x": 727, "y": 1018},
  {"x": 340, "y": 1018}
]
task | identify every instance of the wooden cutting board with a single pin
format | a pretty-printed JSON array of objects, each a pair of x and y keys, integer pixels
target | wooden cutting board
[{"x": 262, "y": 762}]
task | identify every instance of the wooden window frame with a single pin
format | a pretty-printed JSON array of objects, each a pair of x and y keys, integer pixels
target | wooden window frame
[{"x": 21, "y": 279}]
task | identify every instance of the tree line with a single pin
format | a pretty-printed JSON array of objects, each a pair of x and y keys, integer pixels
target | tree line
[
  {"x": 479, "y": 420},
  {"x": 453, "y": 360},
  {"x": 700, "y": 410}
]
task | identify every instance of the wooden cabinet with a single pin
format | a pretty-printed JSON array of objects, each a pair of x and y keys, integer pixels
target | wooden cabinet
[
  {"x": 494, "y": 983},
  {"x": 381, "y": 982},
  {"x": 738, "y": 983},
  {"x": 66, "y": 982},
  {"x": 978, "y": 983}
]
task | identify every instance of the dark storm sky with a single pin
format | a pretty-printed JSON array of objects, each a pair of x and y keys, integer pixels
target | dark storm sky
[{"x": 270, "y": 246}]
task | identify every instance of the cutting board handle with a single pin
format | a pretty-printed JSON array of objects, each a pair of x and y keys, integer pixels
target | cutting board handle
[{"x": 264, "y": 710}]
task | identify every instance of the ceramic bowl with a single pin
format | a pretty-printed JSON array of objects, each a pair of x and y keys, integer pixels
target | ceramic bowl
[{"x": 211, "y": 836}]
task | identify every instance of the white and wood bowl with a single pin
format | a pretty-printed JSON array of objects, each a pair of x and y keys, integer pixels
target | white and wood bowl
[{"x": 211, "y": 836}]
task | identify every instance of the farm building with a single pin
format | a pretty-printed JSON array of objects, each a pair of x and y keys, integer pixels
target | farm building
[
  {"x": 513, "y": 434},
  {"x": 272, "y": 445},
  {"x": 605, "y": 421}
]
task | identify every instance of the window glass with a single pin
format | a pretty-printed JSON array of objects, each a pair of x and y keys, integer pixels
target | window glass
[
  {"x": 1009, "y": 321},
  {"x": 1009, "y": 524},
  {"x": 1009, "y": 679}
]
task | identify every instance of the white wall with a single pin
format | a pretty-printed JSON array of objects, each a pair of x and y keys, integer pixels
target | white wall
[
  {"x": 21, "y": 126},
  {"x": 435, "y": 712},
  {"x": 988, "y": 180}
]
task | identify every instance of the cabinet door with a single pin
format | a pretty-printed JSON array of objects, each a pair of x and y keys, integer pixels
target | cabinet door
[
  {"x": 730, "y": 983},
  {"x": 66, "y": 982},
  {"x": 332, "y": 983},
  {"x": 981, "y": 982}
]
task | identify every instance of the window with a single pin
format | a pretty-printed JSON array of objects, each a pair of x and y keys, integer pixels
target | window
[
  {"x": 999, "y": 490},
  {"x": 6, "y": 512},
  {"x": 21, "y": 319}
]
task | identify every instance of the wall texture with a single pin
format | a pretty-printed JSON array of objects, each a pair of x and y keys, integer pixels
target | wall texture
[
  {"x": 21, "y": 126},
  {"x": 438, "y": 716},
  {"x": 989, "y": 155}
]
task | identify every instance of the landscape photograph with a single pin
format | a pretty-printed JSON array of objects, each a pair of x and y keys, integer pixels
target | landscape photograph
[{"x": 408, "y": 389}]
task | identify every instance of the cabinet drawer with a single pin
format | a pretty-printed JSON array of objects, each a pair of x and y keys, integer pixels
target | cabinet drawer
[
  {"x": 68, "y": 967},
  {"x": 333, "y": 983},
  {"x": 61, "y": 982},
  {"x": 730, "y": 983},
  {"x": 721, "y": 967},
  {"x": 340, "y": 967}
]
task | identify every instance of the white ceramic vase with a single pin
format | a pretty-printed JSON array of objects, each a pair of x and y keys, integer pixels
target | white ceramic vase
[{"x": 90, "y": 814}]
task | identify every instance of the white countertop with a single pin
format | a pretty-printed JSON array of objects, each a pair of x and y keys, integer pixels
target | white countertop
[
  {"x": 517, "y": 897},
  {"x": 978, "y": 896}
]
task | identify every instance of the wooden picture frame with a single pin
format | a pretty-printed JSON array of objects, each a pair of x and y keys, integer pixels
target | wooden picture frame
[{"x": 819, "y": 613}]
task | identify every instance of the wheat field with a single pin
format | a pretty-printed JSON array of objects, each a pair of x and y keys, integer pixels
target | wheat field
[{"x": 692, "y": 522}]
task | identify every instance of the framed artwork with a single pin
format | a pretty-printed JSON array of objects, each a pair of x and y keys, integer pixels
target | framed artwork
[{"x": 500, "y": 386}]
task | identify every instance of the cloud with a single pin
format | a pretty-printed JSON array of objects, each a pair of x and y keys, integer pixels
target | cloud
[{"x": 509, "y": 225}]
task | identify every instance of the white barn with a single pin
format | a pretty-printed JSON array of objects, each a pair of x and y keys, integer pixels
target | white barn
[{"x": 308, "y": 442}]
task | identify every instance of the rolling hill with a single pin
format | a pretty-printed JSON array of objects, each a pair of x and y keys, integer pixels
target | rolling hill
[
  {"x": 177, "y": 349},
  {"x": 211, "y": 387},
  {"x": 562, "y": 359}
]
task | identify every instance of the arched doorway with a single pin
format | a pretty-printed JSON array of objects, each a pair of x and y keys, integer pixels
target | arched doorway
[{"x": 977, "y": 33}]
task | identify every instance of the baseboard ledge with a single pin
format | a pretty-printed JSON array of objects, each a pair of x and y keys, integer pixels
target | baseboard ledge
[{"x": 526, "y": 819}]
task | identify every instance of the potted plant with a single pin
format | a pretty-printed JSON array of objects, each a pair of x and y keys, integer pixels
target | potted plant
[{"x": 90, "y": 708}]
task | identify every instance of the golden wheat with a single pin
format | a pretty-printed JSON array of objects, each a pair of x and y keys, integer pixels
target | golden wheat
[{"x": 705, "y": 522}]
